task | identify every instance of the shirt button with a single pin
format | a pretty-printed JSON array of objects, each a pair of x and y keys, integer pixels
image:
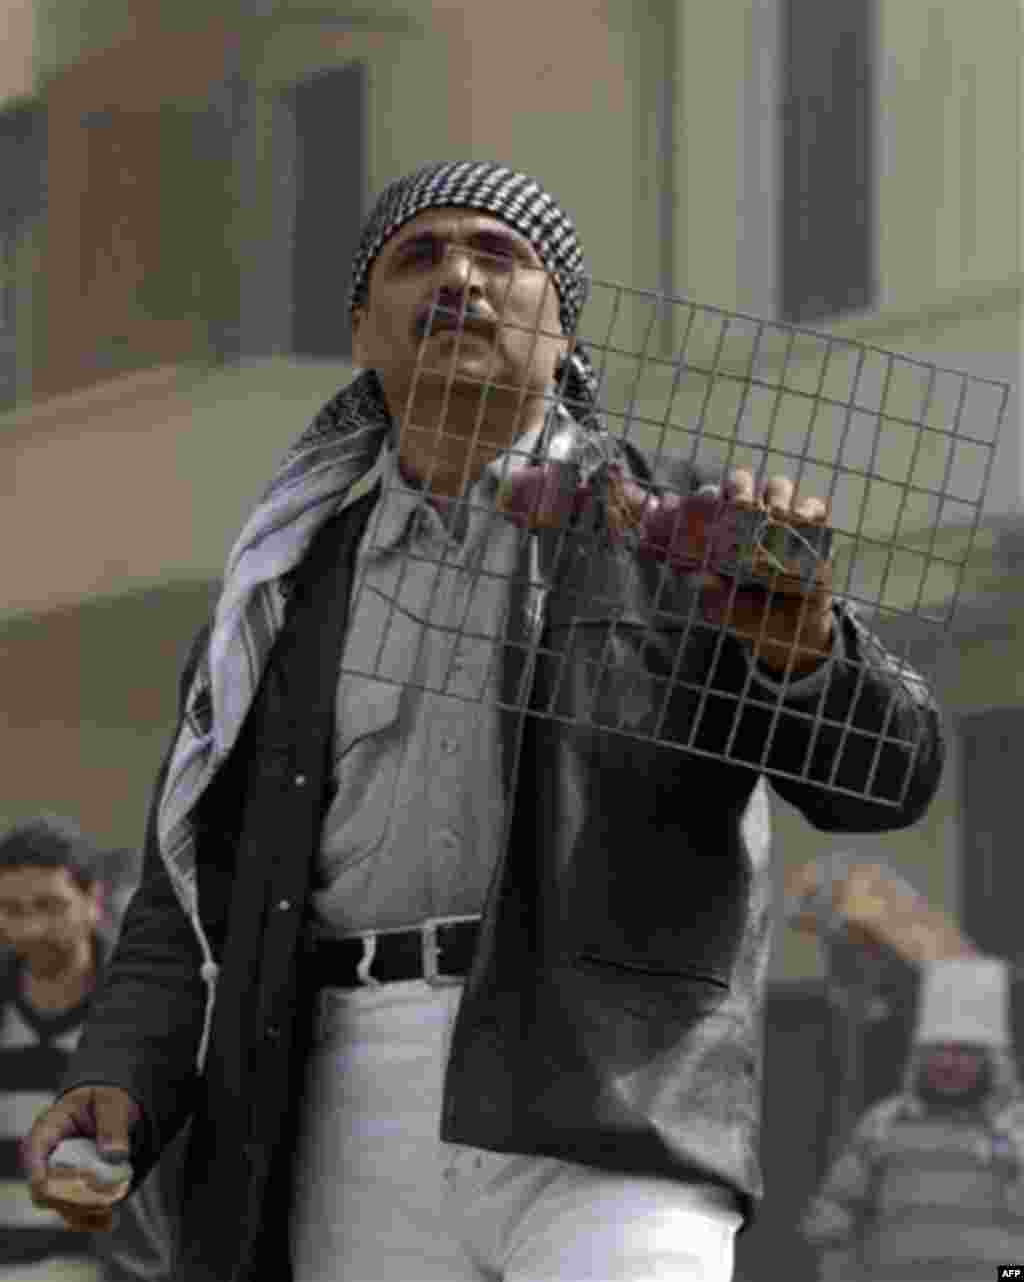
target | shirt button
[
  {"x": 448, "y": 839},
  {"x": 273, "y": 1032},
  {"x": 300, "y": 781},
  {"x": 284, "y": 905},
  {"x": 449, "y": 745}
]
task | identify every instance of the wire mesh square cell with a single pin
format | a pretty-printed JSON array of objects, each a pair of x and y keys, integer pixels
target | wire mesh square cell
[{"x": 613, "y": 563}]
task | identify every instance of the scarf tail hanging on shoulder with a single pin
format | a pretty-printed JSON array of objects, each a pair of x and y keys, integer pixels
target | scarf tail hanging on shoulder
[{"x": 318, "y": 476}]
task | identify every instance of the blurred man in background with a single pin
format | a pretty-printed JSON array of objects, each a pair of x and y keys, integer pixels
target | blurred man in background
[
  {"x": 930, "y": 1185},
  {"x": 57, "y": 929}
]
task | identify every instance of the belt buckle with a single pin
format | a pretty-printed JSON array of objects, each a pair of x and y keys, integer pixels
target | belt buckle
[{"x": 432, "y": 954}]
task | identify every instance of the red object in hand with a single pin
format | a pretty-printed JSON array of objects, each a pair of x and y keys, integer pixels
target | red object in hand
[
  {"x": 544, "y": 496},
  {"x": 693, "y": 532},
  {"x": 548, "y": 495},
  {"x": 684, "y": 531}
]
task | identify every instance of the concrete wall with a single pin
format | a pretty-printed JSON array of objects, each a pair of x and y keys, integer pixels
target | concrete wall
[
  {"x": 88, "y": 703},
  {"x": 146, "y": 482}
]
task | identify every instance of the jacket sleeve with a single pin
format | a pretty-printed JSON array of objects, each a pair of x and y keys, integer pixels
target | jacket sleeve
[
  {"x": 146, "y": 1019},
  {"x": 863, "y": 735},
  {"x": 856, "y": 746}
]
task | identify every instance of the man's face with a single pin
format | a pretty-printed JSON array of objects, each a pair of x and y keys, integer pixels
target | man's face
[
  {"x": 953, "y": 1068},
  {"x": 45, "y": 916},
  {"x": 511, "y": 334}
]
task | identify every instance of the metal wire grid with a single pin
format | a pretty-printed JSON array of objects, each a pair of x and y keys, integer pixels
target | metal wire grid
[
  {"x": 884, "y": 441},
  {"x": 882, "y": 437}
]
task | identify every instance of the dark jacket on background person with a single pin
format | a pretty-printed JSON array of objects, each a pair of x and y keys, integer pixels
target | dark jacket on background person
[{"x": 612, "y": 1013}]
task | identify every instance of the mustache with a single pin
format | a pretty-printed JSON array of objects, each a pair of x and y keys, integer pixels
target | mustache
[{"x": 450, "y": 316}]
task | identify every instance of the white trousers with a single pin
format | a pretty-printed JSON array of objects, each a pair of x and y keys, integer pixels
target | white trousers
[{"x": 379, "y": 1198}]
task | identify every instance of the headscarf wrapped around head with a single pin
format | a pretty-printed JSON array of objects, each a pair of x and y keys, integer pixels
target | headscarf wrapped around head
[
  {"x": 522, "y": 203},
  {"x": 964, "y": 999}
]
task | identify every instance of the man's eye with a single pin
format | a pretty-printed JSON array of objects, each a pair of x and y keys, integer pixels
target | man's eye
[
  {"x": 420, "y": 251},
  {"x": 498, "y": 254}
]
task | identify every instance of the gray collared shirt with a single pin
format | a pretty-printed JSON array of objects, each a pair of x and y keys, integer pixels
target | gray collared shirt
[{"x": 417, "y": 817}]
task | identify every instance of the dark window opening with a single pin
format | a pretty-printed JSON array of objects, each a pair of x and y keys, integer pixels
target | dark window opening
[
  {"x": 22, "y": 203},
  {"x": 991, "y": 872},
  {"x": 330, "y": 163},
  {"x": 828, "y": 214}
]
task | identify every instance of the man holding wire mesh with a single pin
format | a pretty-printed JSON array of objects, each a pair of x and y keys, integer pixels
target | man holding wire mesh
[{"x": 452, "y": 935}]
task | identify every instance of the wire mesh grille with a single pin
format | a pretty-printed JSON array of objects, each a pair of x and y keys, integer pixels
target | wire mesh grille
[
  {"x": 898, "y": 447},
  {"x": 610, "y": 632}
]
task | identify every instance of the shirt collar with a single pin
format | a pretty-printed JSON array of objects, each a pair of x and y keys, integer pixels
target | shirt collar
[
  {"x": 403, "y": 503},
  {"x": 398, "y": 505}
]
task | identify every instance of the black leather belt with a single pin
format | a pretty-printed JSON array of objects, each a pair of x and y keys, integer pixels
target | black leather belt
[{"x": 439, "y": 951}]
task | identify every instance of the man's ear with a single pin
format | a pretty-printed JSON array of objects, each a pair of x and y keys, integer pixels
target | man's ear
[{"x": 564, "y": 350}]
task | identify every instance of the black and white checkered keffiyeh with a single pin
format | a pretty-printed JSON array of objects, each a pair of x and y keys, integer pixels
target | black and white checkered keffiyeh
[
  {"x": 513, "y": 197},
  {"x": 520, "y": 201},
  {"x": 333, "y": 463}
]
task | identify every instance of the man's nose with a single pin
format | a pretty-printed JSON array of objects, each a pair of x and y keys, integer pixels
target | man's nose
[{"x": 460, "y": 270}]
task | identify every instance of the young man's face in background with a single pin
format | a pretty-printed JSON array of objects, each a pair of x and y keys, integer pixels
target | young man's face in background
[{"x": 46, "y": 917}]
